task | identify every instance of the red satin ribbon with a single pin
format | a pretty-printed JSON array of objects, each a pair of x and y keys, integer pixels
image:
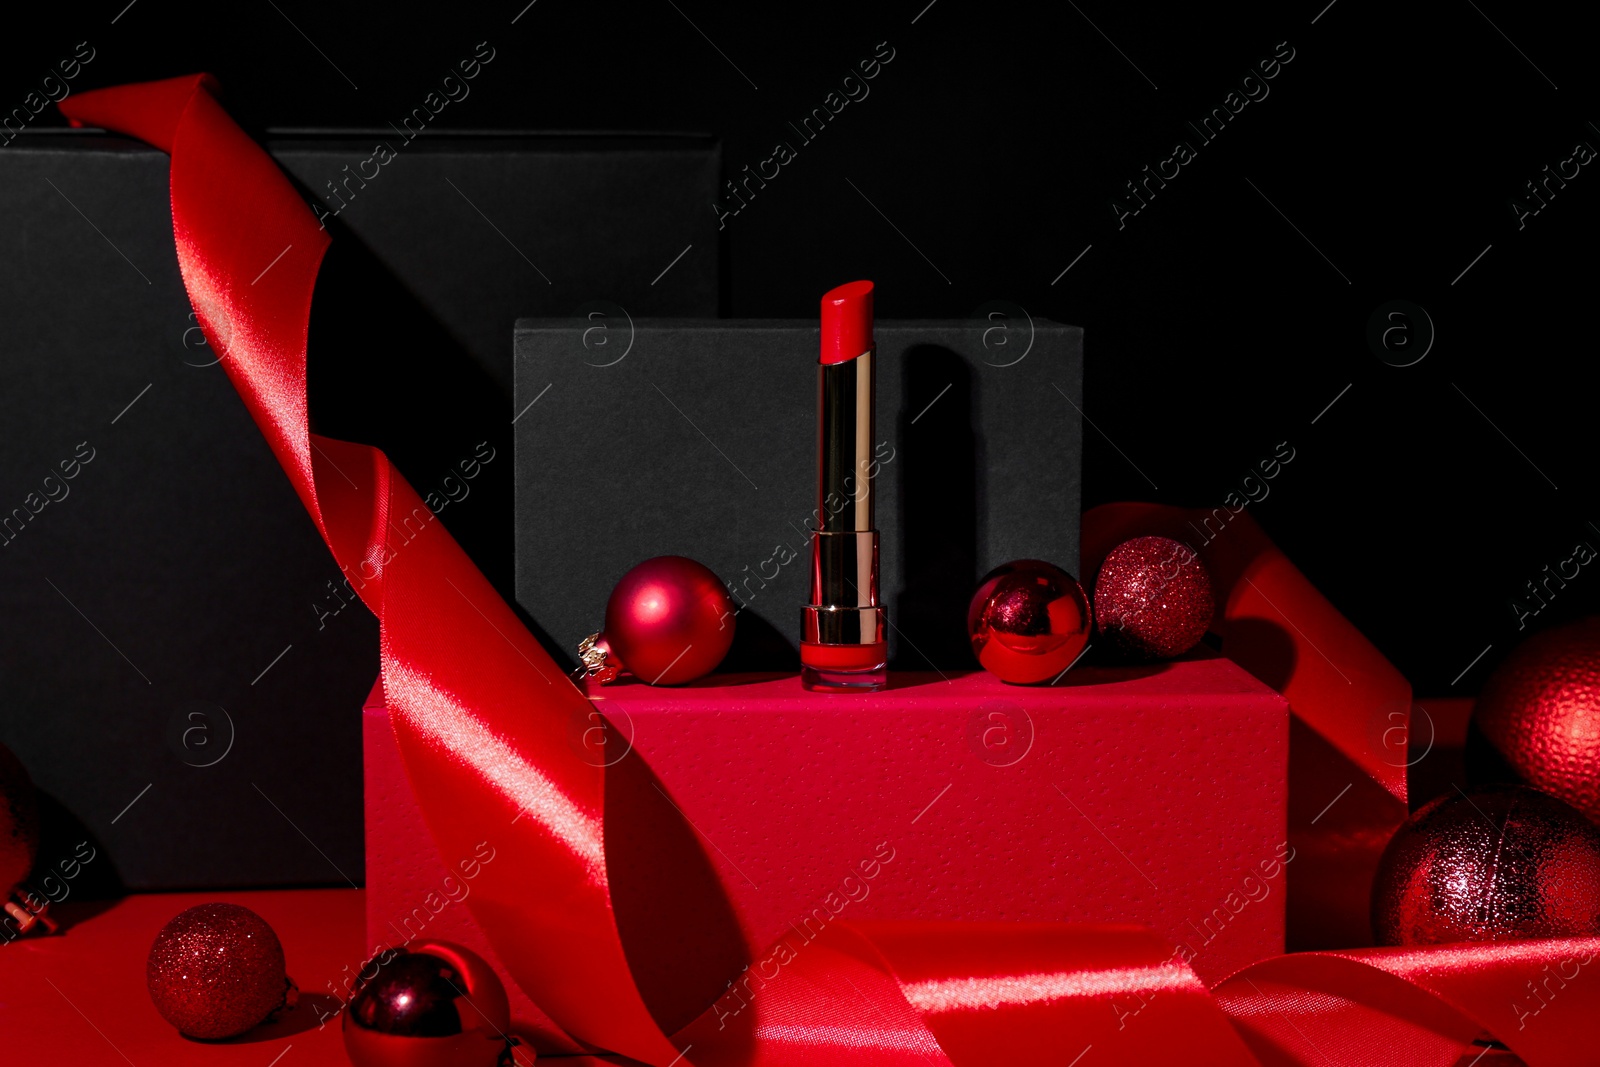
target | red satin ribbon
[{"x": 483, "y": 718}]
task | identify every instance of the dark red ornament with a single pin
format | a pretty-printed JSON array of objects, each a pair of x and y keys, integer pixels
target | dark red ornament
[
  {"x": 1496, "y": 864},
  {"x": 669, "y": 621},
  {"x": 19, "y": 823},
  {"x": 1152, "y": 598},
  {"x": 19, "y": 845},
  {"x": 430, "y": 1004},
  {"x": 1541, "y": 711},
  {"x": 1028, "y": 621},
  {"x": 216, "y": 970}
]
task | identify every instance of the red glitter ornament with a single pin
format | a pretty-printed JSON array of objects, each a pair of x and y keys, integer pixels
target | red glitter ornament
[
  {"x": 1541, "y": 711},
  {"x": 669, "y": 621},
  {"x": 1153, "y": 599},
  {"x": 216, "y": 970},
  {"x": 430, "y": 1004},
  {"x": 1495, "y": 864},
  {"x": 1028, "y": 621}
]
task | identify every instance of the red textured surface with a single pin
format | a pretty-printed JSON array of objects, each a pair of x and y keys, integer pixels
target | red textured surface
[
  {"x": 1147, "y": 795},
  {"x": 1346, "y": 697},
  {"x": 78, "y": 997}
]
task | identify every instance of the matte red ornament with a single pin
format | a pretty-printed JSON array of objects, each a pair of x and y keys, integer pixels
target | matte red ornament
[
  {"x": 1541, "y": 711},
  {"x": 670, "y": 620},
  {"x": 430, "y": 1004},
  {"x": 216, "y": 970},
  {"x": 1153, "y": 599},
  {"x": 1496, "y": 864},
  {"x": 1028, "y": 621}
]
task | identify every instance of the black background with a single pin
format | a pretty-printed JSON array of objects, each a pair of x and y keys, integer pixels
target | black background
[{"x": 995, "y": 140}]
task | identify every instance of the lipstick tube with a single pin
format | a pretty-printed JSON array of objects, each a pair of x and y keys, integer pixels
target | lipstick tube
[{"x": 844, "y": 630}]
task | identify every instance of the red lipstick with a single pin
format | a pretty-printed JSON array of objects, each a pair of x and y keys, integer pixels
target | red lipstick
[
  {"x": 844, "y": 630},
  {"x": 846, "y": 322}
]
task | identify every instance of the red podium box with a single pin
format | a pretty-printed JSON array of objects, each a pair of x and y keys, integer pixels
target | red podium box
[{"x": 1155, "y": 795}]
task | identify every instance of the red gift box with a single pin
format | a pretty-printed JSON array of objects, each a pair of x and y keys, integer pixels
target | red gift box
[{"x": 1152, "y": 795}]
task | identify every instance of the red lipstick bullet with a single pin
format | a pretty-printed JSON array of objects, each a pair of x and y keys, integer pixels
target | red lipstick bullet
[{"x": 844, "y": 630}]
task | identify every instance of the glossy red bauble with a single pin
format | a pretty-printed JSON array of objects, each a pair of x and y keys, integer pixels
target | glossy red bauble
[
  {"x": 669, "y": 620},
  {"x": 216, "y": 970},
  {"x": 1152, "y": 598},
  {"x": 1541, "y": 712},
  {"x": 1495, "y": 864},
  {"x": 1028, "y": 621},
  {"x": 430, "y": 1004}
]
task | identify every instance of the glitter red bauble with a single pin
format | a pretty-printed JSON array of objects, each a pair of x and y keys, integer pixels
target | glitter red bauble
[
  {"x": 19, "y": 823},
  {"x": 216, "y": 970},
  {"x": 1152, "y": 598},
  {"x": 669, "y": 621},
  {"x": 1541, "y": 712},
  {"x": 1496, "y": 864},
  {"x": 430, "y": 1004},
  {"x": 1028, "y": 621}
]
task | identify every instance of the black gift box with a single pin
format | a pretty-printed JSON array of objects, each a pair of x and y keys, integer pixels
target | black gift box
[
  {"x": 181, "y": 664},
  {"x": 645, "y": 438}
]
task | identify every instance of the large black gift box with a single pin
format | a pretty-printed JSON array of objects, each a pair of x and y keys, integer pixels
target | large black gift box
[
  {"x": 181, "y": 668},
  {"x": 699, "y": 439}
]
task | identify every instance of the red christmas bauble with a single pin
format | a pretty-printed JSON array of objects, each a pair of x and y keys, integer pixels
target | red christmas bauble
[
  {"x": 1152, "y": 598},
  {"x": 19, "y": 823},
  {"x": 1541, "y": 711},
  {"x": 430, "y": 1004},
  {"x": 1028, "y": 621},
  {"x": 1496, "y": 864},
  {"x": 669, "y": 621},
  {"x": 216, "y": 970}
]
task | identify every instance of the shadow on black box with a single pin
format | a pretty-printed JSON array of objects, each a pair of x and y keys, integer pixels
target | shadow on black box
[
  {"x": 383, "y": 371},
  {"x": 939, "y": 502}
]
